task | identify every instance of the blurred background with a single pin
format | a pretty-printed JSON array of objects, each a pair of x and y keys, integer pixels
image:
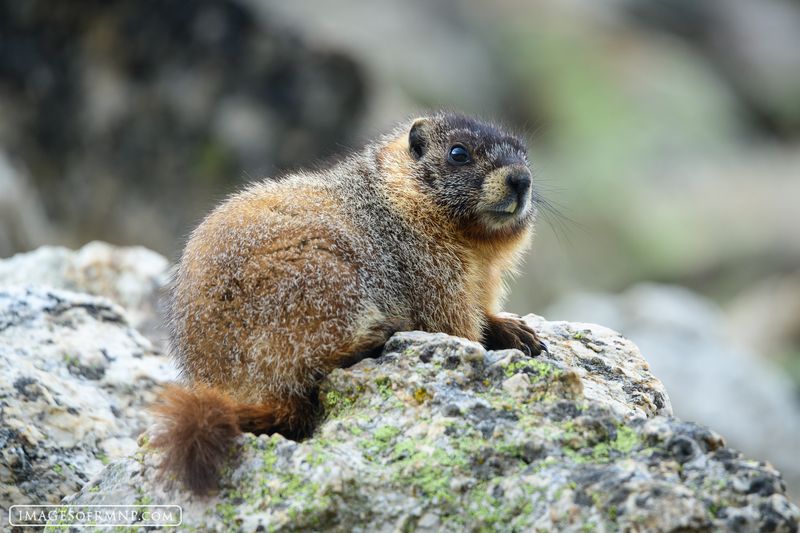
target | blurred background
[{"x": 665, "y": 136}]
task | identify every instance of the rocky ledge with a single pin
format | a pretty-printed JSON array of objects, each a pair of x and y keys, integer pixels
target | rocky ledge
[{"x": 437, "y": 434}]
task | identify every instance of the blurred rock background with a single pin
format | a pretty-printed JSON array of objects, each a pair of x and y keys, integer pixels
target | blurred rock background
[{"x": 667, "y": 135}]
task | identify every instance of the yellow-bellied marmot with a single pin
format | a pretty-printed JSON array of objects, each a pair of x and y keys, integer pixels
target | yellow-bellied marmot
[{"x": 294, "y": 277}]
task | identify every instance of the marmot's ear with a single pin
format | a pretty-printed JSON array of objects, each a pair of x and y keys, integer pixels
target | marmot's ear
[{"x": 418, "y": 137}]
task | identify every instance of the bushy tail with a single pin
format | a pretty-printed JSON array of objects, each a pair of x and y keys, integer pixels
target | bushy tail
[{"x": 198, "y": 429}]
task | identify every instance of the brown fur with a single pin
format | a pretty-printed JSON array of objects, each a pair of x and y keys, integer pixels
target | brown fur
[
  {"x": 290, "y": 279},
  {"x": 199, "y": 428}
]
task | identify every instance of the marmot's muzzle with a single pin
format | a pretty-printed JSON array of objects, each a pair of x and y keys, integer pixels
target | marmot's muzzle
[{"x": 507, "y": 190}]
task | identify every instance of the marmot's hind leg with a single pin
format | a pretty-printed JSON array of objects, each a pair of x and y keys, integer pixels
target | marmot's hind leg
[
  {"x": 296, "y": 416},
  {"x": 372, "y": 341},
  {"x": 293, "y": 417}
]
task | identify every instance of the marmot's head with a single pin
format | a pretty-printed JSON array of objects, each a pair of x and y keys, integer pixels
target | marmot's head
[{"x": 478, "y": 172}]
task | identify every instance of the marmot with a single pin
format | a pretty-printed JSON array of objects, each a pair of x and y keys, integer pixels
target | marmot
[{"x": 294, "y": 277}]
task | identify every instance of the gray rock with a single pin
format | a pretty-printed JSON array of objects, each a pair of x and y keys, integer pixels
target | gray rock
[
  {"x": 711, "y": 379},
  {"x": 74, "y": 382},
  {"x": 132, "y": 277},
  {"x": 440, "y": 435}
]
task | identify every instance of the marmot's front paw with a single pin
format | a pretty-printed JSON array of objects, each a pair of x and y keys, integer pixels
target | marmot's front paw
[{"x": 501, "y": 333}]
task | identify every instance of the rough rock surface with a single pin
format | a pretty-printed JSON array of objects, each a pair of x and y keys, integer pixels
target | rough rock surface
[
  {"x": 712, "y": 379},
  {"x": 439, "y": 434},
  {"x": 132, "y": 277},
  {"x": 74, "y": 381}
]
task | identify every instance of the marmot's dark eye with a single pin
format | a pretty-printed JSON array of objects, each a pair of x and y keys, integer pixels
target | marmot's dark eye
[{"x": 458, "y": 155}]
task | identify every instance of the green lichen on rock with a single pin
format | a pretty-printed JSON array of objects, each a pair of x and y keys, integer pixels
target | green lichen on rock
[
  {"x": 384, "y": 385},
  {"x": 534, "y": 367},
  {"x": 335, "y": 402},
  {"x": 440, "y": 435}
]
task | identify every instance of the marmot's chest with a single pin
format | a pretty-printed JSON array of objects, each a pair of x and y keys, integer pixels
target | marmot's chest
[
  {"x": 433, "y": 282},
  {"x": 450, "y": 299}
]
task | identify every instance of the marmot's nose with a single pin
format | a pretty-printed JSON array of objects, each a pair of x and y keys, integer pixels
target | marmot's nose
[{"x": 519, "y": 181}]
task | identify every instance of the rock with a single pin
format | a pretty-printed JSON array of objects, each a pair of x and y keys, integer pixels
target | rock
[
  {"x": 711, "y": 379},
  {"x": 439, "y": 434},
  {"x": 132, "y": 277},
  {"x": 75, "y": 379},
  {"x": 517, "y": 386}
]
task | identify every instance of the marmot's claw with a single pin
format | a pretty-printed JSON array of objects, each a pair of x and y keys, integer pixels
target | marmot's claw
[
  {"x": 504, "y": 333},
  {"x": 545, "y": 348}
]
